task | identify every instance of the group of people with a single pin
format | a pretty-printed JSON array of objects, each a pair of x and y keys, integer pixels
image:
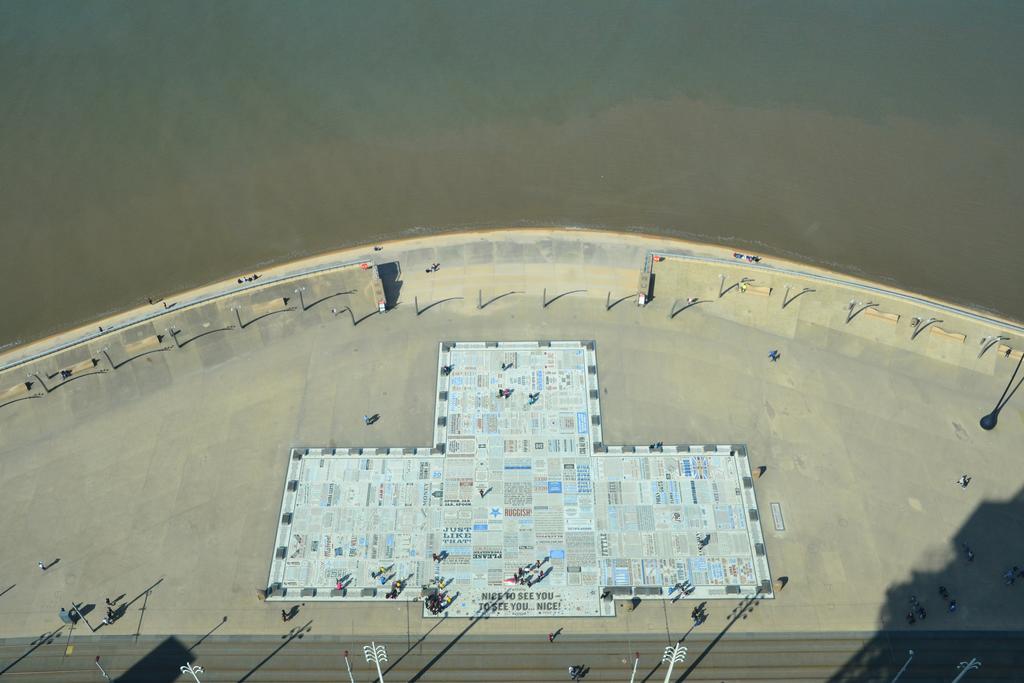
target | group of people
[
  {"x": 447, "y": 369},
  {"x": 699, "y": 614},
  {"x": 249, "y": 278},
  {"x": 1012, "y": 574},
  {"x": 434, "y": 268},
  {"x": 529, "y": 575},
  {"x": 113, "y": 612},
  {"x": 438, "y": 602},
  {"x": 749, "y": 258},
  {"x": 684, "y": 588},
  {"x": 396, "y": 588},
  {"x": 918, "y": 608}
]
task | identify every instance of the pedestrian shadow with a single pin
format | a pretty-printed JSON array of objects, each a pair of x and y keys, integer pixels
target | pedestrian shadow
[
  {"x": 44, "y": 639},
  {"x": 294, "y": 634},
  {"x": 482, "y": 613},
  {"x": 290, "y": 614}
]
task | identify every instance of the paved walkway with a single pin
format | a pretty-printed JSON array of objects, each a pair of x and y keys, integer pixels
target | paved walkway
[
  {"x": 161, "y": 479},
  {"x": 520, "y": 509}
]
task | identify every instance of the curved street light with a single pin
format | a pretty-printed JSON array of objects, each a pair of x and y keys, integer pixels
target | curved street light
[
  {"x": 193, "y": 670},
  {"x": 989, "y": 421},
  {"x": 673, "y": 655},
  {"x": 967, "y": 666},
  {"x": 375, "y": 654}
]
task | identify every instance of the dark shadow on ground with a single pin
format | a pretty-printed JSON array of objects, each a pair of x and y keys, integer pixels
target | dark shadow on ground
[
  {"x": 162, "y": 664},
  {"x": 483, "y": 613},
  {"x": 390, "y": 278},
  {"x": 421, "y": 311},
  {"x": 261, "y": 317},
  {"x": 137, "y": 356},
  {"x": 23, "y": 398},
  {"x": 45, "y": 639},
  {"x": 994, "y": 534},
  {"x": 183, "y": 344},
  {"x": 295, "y": 633}
]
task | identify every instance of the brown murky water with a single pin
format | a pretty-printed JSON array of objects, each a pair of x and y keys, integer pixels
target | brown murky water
[{"x": 147, "y": 147}]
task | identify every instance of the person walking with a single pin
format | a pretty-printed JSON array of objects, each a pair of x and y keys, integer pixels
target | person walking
[
  {"x": 963, "y": 481},
  {"x": 42, "y": 566},
  {"x": 574, "y": 673},
  {"x": 551, "y": 637},
  {"x": 774, "y": 355},
  {"x": 284, "y": 615}
]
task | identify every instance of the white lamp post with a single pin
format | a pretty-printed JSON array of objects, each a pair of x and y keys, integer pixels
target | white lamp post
[
  {"x": 194, "y": 671},
  {"x": 905, "y": 665},
  {"x": 673, "y": 655},
  {"x": 348, "y": 667},
  {"x": 375, "y": 654},
  {"x": 967, "y": 666},
  {"x": 102, "y": 672}
]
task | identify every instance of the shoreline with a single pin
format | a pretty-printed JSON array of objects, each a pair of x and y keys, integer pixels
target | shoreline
[{"x": 17, "y": 354}]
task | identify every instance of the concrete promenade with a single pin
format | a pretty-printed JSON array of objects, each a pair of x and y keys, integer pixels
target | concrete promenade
[{"x": 165, "y": 472}]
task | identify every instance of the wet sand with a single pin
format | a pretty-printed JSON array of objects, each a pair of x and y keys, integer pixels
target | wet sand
[{"x": 150, "y": 149}]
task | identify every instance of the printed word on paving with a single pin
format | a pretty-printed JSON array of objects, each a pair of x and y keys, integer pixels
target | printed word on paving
[{"x": 519, "y": 508}]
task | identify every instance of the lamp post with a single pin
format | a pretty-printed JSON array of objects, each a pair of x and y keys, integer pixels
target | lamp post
[
  {"x": 194, "y": 671},
  {"x": 102, "y": 672},
  {"x": 636, "y": 660},
  {"x": 672, "y": 656},
  {"x": 905, "y": 665},
  {"x": 375, "y": 654},
  {"x": 348, "y": 667},
  {"x": 989, "y": 421},
  {"x": 967, "y": 666},
  {"x": 920, "y": 325},
  {"x": 302, "y": 302}
]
